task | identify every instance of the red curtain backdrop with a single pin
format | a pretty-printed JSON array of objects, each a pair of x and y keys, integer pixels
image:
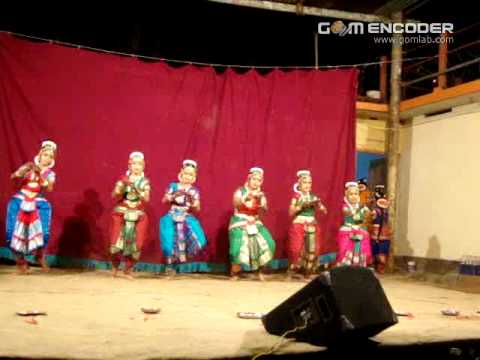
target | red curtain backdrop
[{"x": 98, "y": 108}]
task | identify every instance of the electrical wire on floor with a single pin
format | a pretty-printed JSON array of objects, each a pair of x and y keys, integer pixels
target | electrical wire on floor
[{"x": 282, "y": 340}]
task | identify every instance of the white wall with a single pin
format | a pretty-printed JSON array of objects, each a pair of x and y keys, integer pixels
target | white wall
[{"x": 439, "y": 186}]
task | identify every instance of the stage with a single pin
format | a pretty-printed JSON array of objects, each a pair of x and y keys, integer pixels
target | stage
[{"x": 91, "y": 315}]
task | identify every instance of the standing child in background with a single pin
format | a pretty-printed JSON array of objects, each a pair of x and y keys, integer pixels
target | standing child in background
[{"x": 380, "y": 230}]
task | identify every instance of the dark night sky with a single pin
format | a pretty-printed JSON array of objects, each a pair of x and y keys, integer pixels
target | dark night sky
[{"x": 199, "y": 30}]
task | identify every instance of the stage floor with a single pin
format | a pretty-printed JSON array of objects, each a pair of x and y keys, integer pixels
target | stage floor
[{"x": 94, "y": 316}]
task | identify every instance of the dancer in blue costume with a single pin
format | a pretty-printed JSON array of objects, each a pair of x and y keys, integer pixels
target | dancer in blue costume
[{"x": 181, "y": 234}]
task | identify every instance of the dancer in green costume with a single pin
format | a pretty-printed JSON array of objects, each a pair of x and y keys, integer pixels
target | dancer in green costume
[{"x": 251, "y": 244}]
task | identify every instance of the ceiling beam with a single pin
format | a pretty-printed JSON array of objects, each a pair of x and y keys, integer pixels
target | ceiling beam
[
  {"x": 306, "y": 10},
  {"x": 394, "y": 6}
]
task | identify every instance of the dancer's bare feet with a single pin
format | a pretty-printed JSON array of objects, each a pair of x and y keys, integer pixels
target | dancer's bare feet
[
  {"x": 44, "y": 265},
  {"x": 235, "y": 272},
  {"x": 170, "y": 272},
  {"x": 129, "y": 274},
  {"x": 115, "y": 272},
  {"x": 22, "y": 269},
  {"x": 261, "y": 277}
]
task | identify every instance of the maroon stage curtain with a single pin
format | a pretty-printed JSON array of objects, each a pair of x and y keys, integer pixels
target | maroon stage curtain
[{"x": 99, "y": 108}]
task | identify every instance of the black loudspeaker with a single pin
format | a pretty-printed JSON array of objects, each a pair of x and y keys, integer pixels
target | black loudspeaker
[{"x": 345, "y": 302}]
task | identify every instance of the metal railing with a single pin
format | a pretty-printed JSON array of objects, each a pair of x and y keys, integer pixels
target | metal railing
[{"x": 453, "y": 60}]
